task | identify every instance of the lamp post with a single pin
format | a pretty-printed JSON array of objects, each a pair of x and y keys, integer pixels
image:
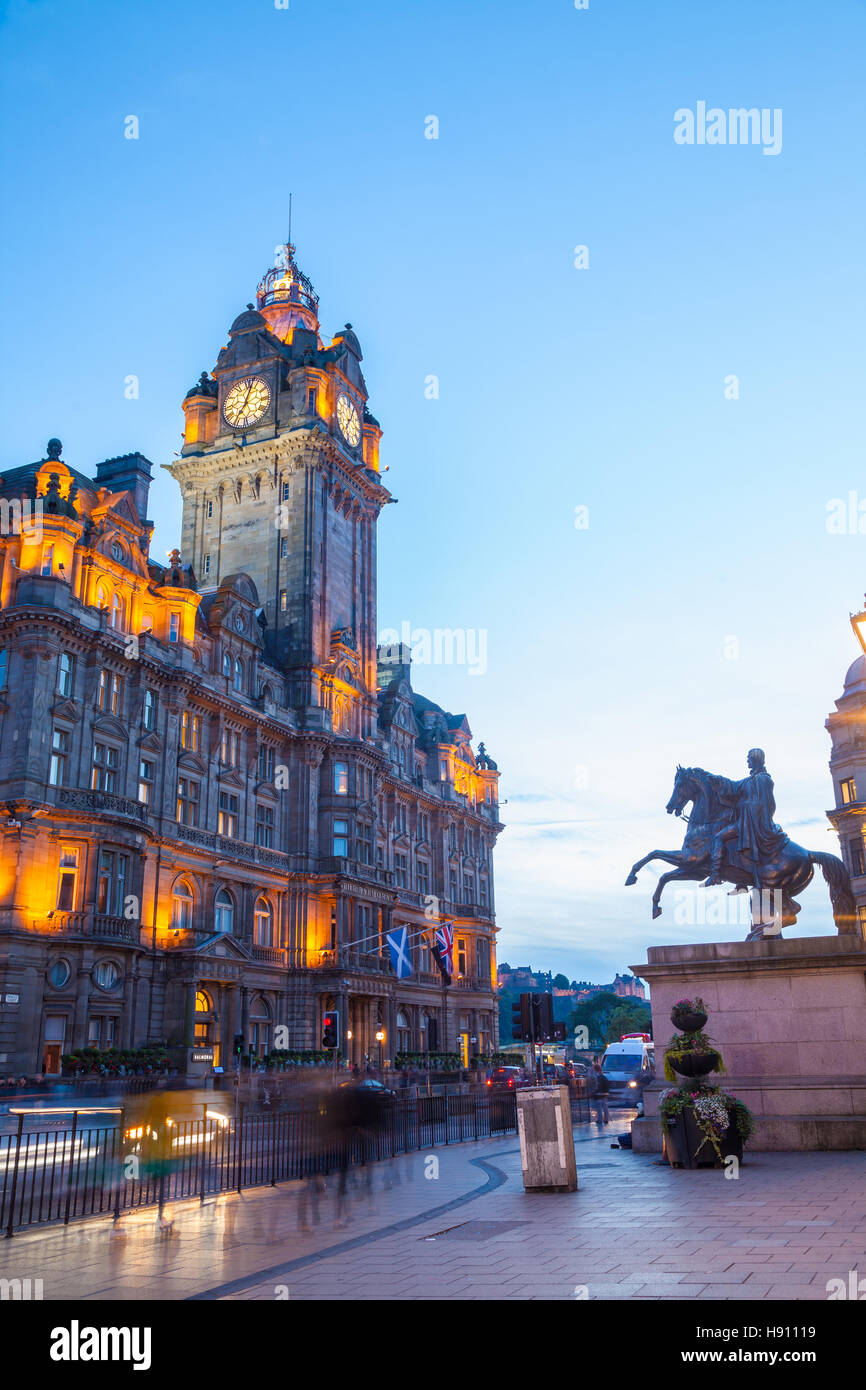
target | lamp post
[{"x": 858, "y": 623}]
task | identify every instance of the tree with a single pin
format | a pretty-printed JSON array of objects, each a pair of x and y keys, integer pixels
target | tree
[
  {"x": 594, "y": 1013},
  {"x": 560, "y": 982},
  {"x": 631, "y": 1017}
]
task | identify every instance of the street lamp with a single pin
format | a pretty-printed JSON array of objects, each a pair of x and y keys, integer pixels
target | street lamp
[{"x": 858, "y": 622}]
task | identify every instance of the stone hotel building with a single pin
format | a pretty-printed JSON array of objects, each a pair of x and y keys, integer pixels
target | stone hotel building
[{"x": 216, "y": 795}]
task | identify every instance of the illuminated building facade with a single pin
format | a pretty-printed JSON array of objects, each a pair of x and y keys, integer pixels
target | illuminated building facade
[
  {"x": 847, "y": 729},
  {"x": 218, "y": 795}
]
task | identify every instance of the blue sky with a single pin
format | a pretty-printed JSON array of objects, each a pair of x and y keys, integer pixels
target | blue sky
[{"x": 608, "y": 648}]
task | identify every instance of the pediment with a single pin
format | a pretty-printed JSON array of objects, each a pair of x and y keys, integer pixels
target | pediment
[
  {"x": 191, "y": 762},
  {"x": 268, "y": 791},
  {"x": 110, "y": 726},
  {"x": 121, "y": 507},
  {"x": 66, "y": 709},
  {"x": 231, "y": 779},
  {"x": 151, "y": 743},
  {"x": 224, "y": 945}
]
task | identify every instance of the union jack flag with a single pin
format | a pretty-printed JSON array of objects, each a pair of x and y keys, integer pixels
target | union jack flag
[{"x": 443, "y": 945}]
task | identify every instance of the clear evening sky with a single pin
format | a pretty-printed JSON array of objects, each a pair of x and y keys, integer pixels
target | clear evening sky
[{"x": 705, "y": 606}]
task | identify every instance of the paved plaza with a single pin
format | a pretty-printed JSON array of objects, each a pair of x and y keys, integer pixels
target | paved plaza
[{"x": 455, "y": 1223}]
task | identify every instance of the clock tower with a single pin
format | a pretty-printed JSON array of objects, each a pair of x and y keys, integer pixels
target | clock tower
[{"x": 279, "y": 475}]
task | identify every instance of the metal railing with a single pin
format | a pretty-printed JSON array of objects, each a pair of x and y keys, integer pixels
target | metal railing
[{"x": 55, "y": 1175}]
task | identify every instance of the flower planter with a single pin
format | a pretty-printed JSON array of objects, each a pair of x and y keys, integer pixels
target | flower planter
[
  {"x": 693, "y": 1064},
  {"x": 685, "y": 1147},
  {"x": 687, "y": 1021}
]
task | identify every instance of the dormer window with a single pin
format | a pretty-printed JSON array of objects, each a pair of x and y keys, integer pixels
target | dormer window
[{"x": 174, "y": 627}]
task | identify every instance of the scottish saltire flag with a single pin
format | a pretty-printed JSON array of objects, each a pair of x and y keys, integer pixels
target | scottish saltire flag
[
  {"x": 398, "y": 945},
  {"x": 443, "y": 945}
]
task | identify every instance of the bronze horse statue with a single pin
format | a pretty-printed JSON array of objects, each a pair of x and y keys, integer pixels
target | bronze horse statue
[{"x": 712, "y": 851}]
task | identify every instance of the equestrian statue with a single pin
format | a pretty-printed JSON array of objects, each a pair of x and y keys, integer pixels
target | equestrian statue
[{"x": 732, "y": 838}]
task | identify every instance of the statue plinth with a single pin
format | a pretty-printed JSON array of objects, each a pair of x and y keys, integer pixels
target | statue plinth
[{"x": 789, "y": 1017}]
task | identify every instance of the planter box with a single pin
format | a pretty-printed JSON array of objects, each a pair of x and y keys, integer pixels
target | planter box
[{"x": 684, "y": 1139}]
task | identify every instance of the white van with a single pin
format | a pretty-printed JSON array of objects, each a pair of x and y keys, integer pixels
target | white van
[{"x": 629, "y": 1065}]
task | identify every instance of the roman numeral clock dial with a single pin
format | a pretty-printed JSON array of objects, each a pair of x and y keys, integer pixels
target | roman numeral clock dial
[{"x": 247, "y": 401}]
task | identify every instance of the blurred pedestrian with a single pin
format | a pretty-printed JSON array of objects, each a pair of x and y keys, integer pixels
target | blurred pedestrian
[{"x": 601, "y": 1088}]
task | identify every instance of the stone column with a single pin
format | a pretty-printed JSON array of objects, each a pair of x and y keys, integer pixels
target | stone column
[{"x": 190, "y": 987}]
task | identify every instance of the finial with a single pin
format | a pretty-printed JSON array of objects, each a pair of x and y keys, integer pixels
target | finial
[{"x": 55, "y": 448}]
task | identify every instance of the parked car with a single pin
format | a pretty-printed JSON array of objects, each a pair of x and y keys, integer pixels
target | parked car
[{"x": 506, "y": 1078}]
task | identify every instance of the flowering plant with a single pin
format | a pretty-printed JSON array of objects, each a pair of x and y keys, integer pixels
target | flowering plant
[{"x": 694, "y": 1006}]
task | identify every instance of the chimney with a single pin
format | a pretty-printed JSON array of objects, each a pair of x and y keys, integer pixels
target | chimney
[{"x": 127, "y": 473}]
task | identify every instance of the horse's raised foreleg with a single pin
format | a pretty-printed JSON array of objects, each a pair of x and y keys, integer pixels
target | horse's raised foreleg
[
  {"x": 670, "y": 856},
  {"x": 685, "y": 875}
]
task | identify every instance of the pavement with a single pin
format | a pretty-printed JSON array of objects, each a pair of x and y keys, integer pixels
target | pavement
[{"x": 455, "y": 1223}]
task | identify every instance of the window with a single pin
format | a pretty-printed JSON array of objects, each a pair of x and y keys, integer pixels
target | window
[
  {"x": 229, "y": 748},
  {"x": 400, "y": 870},
  {"x": 399, "y": 819},
  {"x": 224, "y": 911},
  {"x": 116, "y": 551},
  {"x": 4, "y": 668},
  {"x": 102, "y": 597},
  {"x": 65, "y": 673},
  {"x": 203, "y": 1018},
  {"x": 403, "y": 1033},
  {"x": 59, "y": 754},
  {"x": 341, "y": 839},
  {"x": 109, "y": 692},
  {"x": 443, "y": 770},
  {"x": 67, "y": 883},
  {"x": 284, "y": 600},
  {"x": 59, "y": 973},
  {"x": 341, "y": 779},
  {"x": 423, "y": 877},
  {"x": 106, "y": 759},
  {"x": 365, "y": 843},
  {"x": 209, "y": 509},
  {"x": 174, "y": 627},
  {"x": 849, "y": 791},
  {"x": 284, "y": 547},
  {"x": 190, "y": 731},
  {"x": 149, "y": 709},
  {"x": 117, "y": 613},
  {"x": 239, "y": 674},
  {"x": 263, "y": 923},
  {"x": 483, "y": 882},
  {"x": 111, "y": 883},
  {"x": 47, "y": 559},
  {"x": 452, "y": 837},
  {"x": 187, "y": 801},
  {"x": 423, "y": 827},
  {"x": 227, "y": 664},
  {"x": 855, "y": 857},
  {"x": 181, "y": 906},
  {"x": 482, "y": 952},
  {"x": 207, "y": 564},
  {"x": 267, "y": 763},
  {"x": 265, "y": 826},
  {"x": 287, "y": 491},
  {"x": 260, "y": 1027},
  {"x": 468, "y": 888},
  {"x": 461, "y": 955},
  {"x": 228, "y": 815},
  {"x": 145, "y": 781},
  {"x": 452, "y": 879}
]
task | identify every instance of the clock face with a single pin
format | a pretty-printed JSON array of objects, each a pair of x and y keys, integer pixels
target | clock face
[
  {"x": 348, "y": 420},
  {"x": 247, "y": 401}
]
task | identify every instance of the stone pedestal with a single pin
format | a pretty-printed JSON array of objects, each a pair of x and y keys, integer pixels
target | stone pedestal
[{"x": 789, "y": 1018}]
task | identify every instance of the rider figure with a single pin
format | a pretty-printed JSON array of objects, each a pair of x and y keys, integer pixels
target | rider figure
[{"x": 754, "y": 830}]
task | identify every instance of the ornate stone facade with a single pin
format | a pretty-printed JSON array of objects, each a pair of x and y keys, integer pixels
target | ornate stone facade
[
  {"x": 847, "y": 729},
  {"x": 219, "y": 796}
]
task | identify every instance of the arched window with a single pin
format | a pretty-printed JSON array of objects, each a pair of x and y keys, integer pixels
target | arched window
[
  {"x": 117, "y": 612},
  {"x": 263, "y": 923},
  {"x": 181, "y": 906},
  {"x": 203, "y": 1002},
  {"x": 101, "y": 597},
  {"x": 204, "y": 1019},
  {"x": 260, "y": 1026},
  {"x": 227, "y": 664},
  {"x": 403, "y": 1033},
  {"x": 224, "y": 911},
  {"x": 239, "y": 674}
]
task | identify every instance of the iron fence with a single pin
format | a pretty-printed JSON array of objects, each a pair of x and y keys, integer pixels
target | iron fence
[{"x": 63, "y": 1175}]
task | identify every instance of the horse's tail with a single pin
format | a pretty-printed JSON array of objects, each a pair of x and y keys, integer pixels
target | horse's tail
[{"x": 844, "y": 907}]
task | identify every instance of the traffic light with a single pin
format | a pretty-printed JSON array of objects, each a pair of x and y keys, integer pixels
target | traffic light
[
  {"x": 544, "y": 1017},
  {"x": 239, "y": 1044},
  {"x": 331, "y": 1029},
  {"x": 559, "y": 1032},
  {"x": 522, "y": 1027}
]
